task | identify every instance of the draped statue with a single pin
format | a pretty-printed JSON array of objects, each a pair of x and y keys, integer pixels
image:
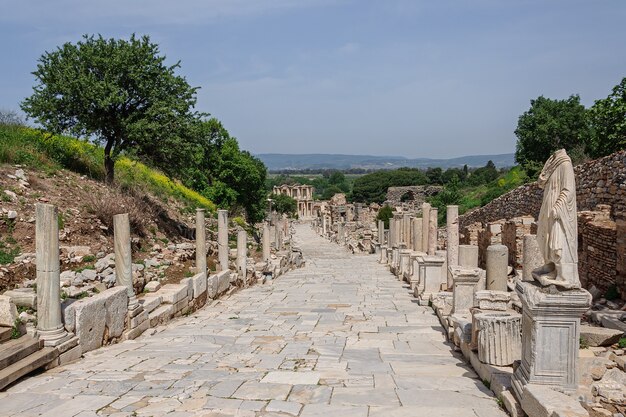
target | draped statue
[{"x": 557, "y": 228}]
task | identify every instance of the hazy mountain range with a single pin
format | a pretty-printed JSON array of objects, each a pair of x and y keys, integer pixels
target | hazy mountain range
[{"x": 277, "y": 161}]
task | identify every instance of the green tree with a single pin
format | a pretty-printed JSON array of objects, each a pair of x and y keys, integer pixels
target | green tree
[
  {"x": 550, "y": 125},
  {"x": 284, "y": 204},
  {"x": 118, "y": 92},
  {"x": 372, "y": 187},
  {"x": 608, "y": 118},
  {"x": 385, "y": 213}
]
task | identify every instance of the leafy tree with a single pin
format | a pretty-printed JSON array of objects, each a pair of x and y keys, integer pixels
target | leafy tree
[
  {"x": 284, "y": 204},
  {"x": 373, "y": 187},
  {"x": 435, "y": 176},
  {"x": 483, "y": 175},
  {"x": 118, "y": 92},
  {"x": 385, "y": 213},
  {"x": 550, "y": 125},
  {"x": 608, "y": 118},
  {"x": 330, "y": 191}
]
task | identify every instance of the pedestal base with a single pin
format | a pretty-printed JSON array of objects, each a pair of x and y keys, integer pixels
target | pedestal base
[{"x": 551, "y": 331}]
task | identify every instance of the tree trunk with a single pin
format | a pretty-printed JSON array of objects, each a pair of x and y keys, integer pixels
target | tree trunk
[{"x": 109, "y": 163}]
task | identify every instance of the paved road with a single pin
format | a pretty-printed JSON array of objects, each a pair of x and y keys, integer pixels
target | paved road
[{"x": 340, "y": 337}]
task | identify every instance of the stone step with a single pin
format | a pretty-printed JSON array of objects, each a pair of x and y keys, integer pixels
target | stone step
[
  {"x": 17, "y": 349},
  {"x": 5, "y": 334},
  {"x": 25, "y": 366}
]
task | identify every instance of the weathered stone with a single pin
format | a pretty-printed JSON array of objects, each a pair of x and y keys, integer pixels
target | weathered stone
[
  {"x": 222, "y": 238},
  {"x": 23, "y": 297},
  {"x": 543, "y": 401},
  {"x": 497, "y": 267},
  {"x": 173, "y": 293},
  {"x": 223, "y": 282},
  {"x": 161, "y": 315},
  {"x": 491, "y": 300},
  {"x": 468, "y": 256},
  {"x": 8, "y": 311},
  {"x": 465, "y": 282},
  {"x": 150, "y": 302},
  {"x": 199, "y": 284},
  {"x": 499, "y": 337},
  {"x": 123, "y": 257},
  {"x": 599, "y": 336},
  {"x": 152, "y": 286},
  {"x": 116, "y": 305},
  {"x": 531, "y": 257}
]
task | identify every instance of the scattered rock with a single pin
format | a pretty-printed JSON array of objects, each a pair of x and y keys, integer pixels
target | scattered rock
[
  {"x": 11, "y": 195},
  {"x": 12, "y": 215},
  {"x": 599, "y": 336},
  {"x": 8, "y": 311},
  {"x": 152, "y": 286}
]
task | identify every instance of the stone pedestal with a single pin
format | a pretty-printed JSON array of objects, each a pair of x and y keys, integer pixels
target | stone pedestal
[
  {"x": 200, "y": 242},
  {"x": 444, "y": 269},
  {"x": 417, "y": 234},
  {"x": 383, "y": 255},
  {"x": 465, "y": 281},
  {"x": 414, "y": 279},
  {"x": 49, "y": 320},
  {"x": 497, "y": 265},
  {"x": 432, "y": 232},
  {"x": 123, "y": 258},
  {"x": 266, "y": 242},
  {"x": 431, "y": 277},
  {"x": 499, "y": 337},
  {"x": 551, "y": 332},
  {"x": 404, "y": 267}
]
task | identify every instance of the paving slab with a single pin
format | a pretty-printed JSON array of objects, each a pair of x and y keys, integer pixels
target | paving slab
[{"x": 339, "y": 337}]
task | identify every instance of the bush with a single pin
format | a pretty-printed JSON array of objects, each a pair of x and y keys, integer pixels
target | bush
[
  {"x": 284, "y": 204},
  {"x": 385, "y": 213}
]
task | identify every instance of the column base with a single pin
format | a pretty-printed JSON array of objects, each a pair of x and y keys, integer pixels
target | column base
[{"x": 53, "y": 338}]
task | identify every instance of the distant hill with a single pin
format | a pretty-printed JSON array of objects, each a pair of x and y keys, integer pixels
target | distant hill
[{"x": 277, "y": 161}]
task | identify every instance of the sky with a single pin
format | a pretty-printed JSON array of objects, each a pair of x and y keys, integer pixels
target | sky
[{"x": 414, "y": 78}]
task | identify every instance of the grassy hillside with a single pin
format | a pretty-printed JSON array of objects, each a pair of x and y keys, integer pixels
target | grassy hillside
[{"x": 36, "y": 149}]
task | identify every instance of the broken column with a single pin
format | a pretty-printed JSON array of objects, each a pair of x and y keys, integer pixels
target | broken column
[
  {"x": 468, "y": 256},
  {"x": 222, "y": 239},
  {"x": 381, "y": 232},
  {"x": 200, "y": 242},
  {"x": 531, "y": 257},
  {"x": 497, "y": 265},
  {"x": 432, "y": 232},
  {"x": 417, "y": 234},
  {"x": 242, "y": 250},
  {"x": 266, "y": 241},
  {"x": 123, "y": 258},
  {"x": 49, "y": 320},
  {"x": 499, "y": 337},
  {"x": 452, "y": 228},
  {"x": 425, "y": 227},
  {"x": 340, "y": 238}
]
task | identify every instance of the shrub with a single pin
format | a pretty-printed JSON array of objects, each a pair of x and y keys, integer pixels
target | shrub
[{"x": 385, "y": 213}]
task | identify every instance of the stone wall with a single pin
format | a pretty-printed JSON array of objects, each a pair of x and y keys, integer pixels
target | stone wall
[
  {"x": 601, "y": 202},
  {"x": 417, "y": 193},
  {"x": 597, "y": 254},
  {"x": 602, "y": 181}
]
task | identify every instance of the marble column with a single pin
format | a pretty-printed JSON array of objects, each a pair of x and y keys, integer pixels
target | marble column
[
  {"x": 418, "y": 234},
  {"x": 531, "y": 257},
  {"x": 425, "y": 228},
  {"x": 497, "y": 265},
  {"x": 392, "y": 233},
  {"x": 340, "y": 237},
  {"x": 406, "y": 229},
  {"x": 499, "y": 338},
  {"x": 222, "y": 239},
  {"x": 381, "y": 232},
  {"x": 266, "y": 241},
  {"x": 49, "y": 320},
  {"x": 432, "y": 232},
  {"x": 123, "y": 258},
  {"x": 452, "y": 247},
  {"x": 200, "y": 242},
  {"x": 242, "y": 249},
  {"x": 468, "y": 256}
]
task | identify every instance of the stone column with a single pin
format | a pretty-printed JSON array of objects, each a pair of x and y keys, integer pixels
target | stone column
[
  {"x": 497, "y": 264},
  {"x": 452, "y": 227},
  {"x": 499, "y": 337},
  {"x": 340, "y": 238},
  {"x": 417, "y": 234},
  {"x": 531, "y": 257},
  {"x": 468, "y": 256},
  {"x": 266, "y": 241},
  {"x": 432, "y": 232},
  {"x": 200, "y": 242},
  {"x": 381, "y": 232},
  {"x": 49, "y": 319},
  {"x": 392, "y": 233},
  {"x": 425, "y": 228},
  {"x": 406, "y": 230},
  {"x": 242, "y": 250},
  {"x": 123, "y": 258},
  {"x": 222, "y": 239}
]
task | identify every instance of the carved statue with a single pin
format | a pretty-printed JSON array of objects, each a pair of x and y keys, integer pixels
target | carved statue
[{"x": 557, "y": 230}]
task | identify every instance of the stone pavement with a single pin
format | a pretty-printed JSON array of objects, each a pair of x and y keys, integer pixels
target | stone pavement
[{"x": 340, "y": 337}]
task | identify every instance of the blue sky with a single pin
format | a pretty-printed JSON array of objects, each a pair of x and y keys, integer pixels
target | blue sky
[{"x": 390, "y": 77}]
